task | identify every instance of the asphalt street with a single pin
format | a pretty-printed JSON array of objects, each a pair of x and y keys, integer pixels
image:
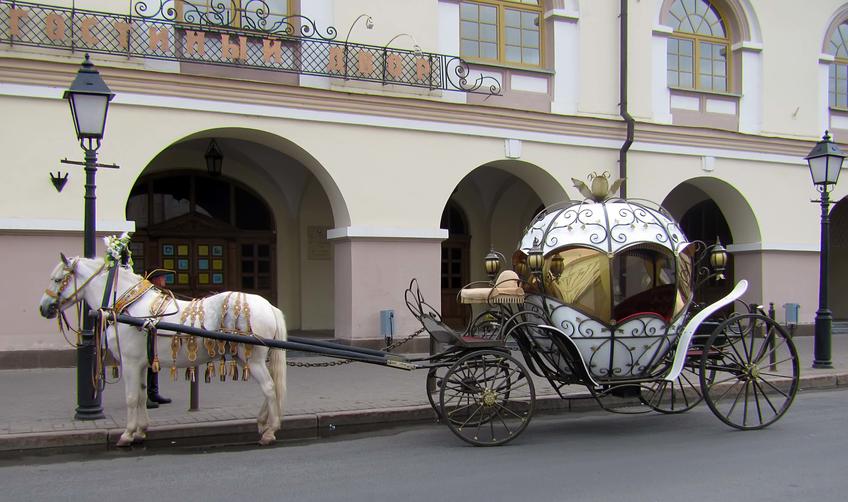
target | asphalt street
[{"x": 591, "y": 456}]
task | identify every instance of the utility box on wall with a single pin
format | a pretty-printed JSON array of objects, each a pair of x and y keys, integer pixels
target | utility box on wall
[{"x": 387, "y": 325}]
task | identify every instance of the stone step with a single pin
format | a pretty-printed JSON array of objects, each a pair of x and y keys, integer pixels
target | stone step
[{"x": 840, "y": 328}]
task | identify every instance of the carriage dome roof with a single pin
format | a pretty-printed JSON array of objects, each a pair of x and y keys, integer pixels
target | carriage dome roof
[{"x": 607, "y": 226}]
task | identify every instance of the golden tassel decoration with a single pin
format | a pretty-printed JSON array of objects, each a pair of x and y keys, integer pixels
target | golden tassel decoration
[
  {"x": 187, "y": 374},
  {"x": 155, "y": 367},
  {"x": 222, "y": 345},
  {"x": 234, "y": 371},
  {"x": 175, "y": 349},
  {"x": 210, "y": 369},
  {"x": 192, "y": 375},
  {"x": 248, "y": 349},
  {"x": 222, "y": 369},
  {"x": 191, "y": 348},
  {"x": 245, "y": 373},
  {"x": 234, "y": 349},
  {"x": 114, "y": 371},
  {"x": 210, "y": 346}
]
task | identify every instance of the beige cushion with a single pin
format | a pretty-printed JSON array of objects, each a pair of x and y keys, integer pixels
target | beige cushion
[{"x": 507, "y": 289}]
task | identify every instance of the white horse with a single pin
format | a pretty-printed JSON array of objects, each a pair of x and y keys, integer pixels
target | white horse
[{"x": 77, "y": 279}]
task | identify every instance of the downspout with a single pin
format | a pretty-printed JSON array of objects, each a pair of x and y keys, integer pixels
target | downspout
[{"x": 628, "y": 119}]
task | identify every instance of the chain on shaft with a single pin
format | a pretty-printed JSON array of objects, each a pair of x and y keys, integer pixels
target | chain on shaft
[{"x": 328, "y": 364}]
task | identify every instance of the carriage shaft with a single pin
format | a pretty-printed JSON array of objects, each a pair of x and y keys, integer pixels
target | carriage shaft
[{"x": 324, "y": 348}]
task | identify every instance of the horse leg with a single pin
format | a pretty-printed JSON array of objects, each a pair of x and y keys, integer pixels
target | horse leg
[
  {"x": 133, "y": 379},
  {"x": 142, "y": 417},
  {"x": 262, "y": 420},
  {"x": 271, "y": 420}
]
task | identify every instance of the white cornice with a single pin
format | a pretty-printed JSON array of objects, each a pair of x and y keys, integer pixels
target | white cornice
[
  {"x": 360, "y": 119},
  {"x": 59, "y": 225},
  {"x": 790, "y": 247},
  {"x": 366, "y": 232}
]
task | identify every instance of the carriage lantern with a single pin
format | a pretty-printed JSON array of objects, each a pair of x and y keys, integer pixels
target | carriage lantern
[
  {"x": 89, "y": 97},
  {"x": 557, "y": 265},
  {"x": 536, "y": 258},
  {"x": 492, "y": 263},
  {"x": 718, "y": 259}
]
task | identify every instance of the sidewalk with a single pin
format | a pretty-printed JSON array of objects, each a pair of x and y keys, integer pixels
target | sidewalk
[{"x": 38, "y": 405}]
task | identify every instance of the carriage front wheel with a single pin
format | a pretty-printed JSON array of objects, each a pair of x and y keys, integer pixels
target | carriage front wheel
[
  {"x": 487, "y": 398},
  {"x": 756, "y": 371}
]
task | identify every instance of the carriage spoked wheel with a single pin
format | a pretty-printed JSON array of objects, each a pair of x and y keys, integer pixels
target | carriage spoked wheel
[
  {"x": 434, "y": 387},
  {"x": 678, "y": 396},
  {"x": 487, "y": 398},
  {"x": 756, "y": 371}
]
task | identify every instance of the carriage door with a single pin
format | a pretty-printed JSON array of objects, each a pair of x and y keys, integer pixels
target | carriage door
[{"x": 455, "y": 267}]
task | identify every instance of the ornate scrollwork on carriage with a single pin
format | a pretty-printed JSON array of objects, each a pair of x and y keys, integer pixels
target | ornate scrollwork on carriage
[{"x": 616, "y": 280}]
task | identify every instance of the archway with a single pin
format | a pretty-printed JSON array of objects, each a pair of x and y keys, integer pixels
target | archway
[
  {"x": 212, "y": 233},
  {"x": 838, "y": 285},
  {"x": 488, "y": 210},
  {"x": 711, "y": 211},
  {"x": 259, "y": 227}
]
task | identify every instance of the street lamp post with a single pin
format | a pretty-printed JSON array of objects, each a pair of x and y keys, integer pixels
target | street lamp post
[
  {"x": 825, "y": 161},
  {"x": 89, "y": 98}
]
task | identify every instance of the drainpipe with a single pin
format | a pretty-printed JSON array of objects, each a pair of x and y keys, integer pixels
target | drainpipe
[{"x": 628, "y": 119}]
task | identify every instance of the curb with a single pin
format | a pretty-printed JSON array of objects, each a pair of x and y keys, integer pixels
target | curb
[{"x": 314, "y": 426}]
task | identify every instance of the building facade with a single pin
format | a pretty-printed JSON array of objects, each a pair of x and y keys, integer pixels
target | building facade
[{"x": 368, "y": 142}]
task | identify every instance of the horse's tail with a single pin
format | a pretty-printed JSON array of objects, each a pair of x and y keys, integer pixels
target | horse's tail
[{"x": 278, "y": 362}]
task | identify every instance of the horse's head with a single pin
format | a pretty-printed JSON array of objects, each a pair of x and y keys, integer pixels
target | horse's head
[{"x": 67, "y": 281}]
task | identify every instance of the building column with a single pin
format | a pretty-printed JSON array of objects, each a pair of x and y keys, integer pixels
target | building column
[{"x": 373, "y": 268}]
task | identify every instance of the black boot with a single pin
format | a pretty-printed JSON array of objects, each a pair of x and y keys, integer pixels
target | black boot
[{"x": 153, "y": 397}]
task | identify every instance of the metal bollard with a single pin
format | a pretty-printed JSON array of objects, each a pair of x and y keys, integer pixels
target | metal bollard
[
  {"x": 772, "y": 355},
  {"x": 194, "y": 391}
]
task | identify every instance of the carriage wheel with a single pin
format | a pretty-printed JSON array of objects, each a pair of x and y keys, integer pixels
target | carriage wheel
[
  {"x": 434, "y": 387},
  {"x": 757, "y": 371},
  {"x": 487, "y": 397},
  {"x": 679, "y": 396}
]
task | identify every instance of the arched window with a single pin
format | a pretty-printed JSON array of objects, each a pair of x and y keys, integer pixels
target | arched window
[
  {"x": 837, "y": 87},
  {"x": 699, "y": 48},
  {"x": 501, "y": 31}
]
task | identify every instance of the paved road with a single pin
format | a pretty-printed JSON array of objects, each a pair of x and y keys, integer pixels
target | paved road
[{"x": 583, "y": 457}]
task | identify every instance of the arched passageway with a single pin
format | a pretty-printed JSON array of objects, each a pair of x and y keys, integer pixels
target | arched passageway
[
  {"x": 488, "y": 210},
  {"x": 838, "y": 285},
  {"x": 259, "y": 226}
]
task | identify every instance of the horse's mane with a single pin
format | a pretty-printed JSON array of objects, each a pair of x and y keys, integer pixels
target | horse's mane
[{"x": 125, "y": 271}]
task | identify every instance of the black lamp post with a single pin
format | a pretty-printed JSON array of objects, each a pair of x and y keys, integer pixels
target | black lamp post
[
  {"x": 89, "y": 97},
  {"x": 825, "y": 160}
]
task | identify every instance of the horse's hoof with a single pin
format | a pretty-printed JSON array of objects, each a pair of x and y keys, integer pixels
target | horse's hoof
[
  {"x": 124, "y": 441},
  {"x": 267, "y": 438},
  {"x": 138, "y": 437}
]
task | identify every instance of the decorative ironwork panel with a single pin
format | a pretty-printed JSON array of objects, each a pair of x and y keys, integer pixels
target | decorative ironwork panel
[{"x": 217, "y": 34}]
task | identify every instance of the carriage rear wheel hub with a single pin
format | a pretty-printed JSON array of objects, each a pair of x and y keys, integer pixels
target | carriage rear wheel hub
[{"x": 489, "y": 397}]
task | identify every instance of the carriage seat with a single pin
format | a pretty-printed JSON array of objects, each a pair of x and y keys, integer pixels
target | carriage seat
[
  {"x": 507, "y": 289},
  {"x": 443, "y": 333}
]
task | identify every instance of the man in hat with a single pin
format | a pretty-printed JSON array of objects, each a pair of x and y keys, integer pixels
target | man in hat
[{"x": 154, "y": 399}]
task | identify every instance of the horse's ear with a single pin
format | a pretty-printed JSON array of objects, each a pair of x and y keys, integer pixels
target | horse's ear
[{"x": 64, "y": 259}]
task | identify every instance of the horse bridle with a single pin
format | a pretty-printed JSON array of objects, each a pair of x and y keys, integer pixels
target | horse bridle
[{"x": 69, "y": 271}]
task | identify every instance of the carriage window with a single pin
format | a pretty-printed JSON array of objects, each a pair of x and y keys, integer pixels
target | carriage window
[
  {"x": 584, "y": 281},
  {"x": 644, "y": 280}
]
